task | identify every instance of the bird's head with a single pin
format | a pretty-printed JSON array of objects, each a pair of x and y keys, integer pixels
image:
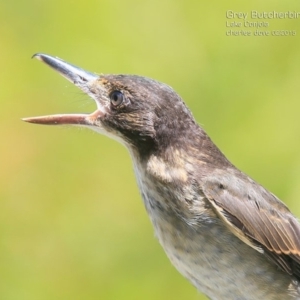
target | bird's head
[{"x": 142, "y": 113}]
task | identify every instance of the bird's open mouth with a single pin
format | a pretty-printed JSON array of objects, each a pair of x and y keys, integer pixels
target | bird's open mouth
[{"x": 82, "y": 79}]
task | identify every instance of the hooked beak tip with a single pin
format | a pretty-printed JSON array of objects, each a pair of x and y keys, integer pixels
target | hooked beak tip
[{"x": 37, "y": 56}]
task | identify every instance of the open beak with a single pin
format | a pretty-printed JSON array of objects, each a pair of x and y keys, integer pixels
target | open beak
[{"x": 82, "y": 79}]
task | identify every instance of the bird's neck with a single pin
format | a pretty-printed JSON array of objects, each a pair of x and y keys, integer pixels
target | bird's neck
[{"x": 175, "y": 157}]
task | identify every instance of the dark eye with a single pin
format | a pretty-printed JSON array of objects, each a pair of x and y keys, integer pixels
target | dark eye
[{"x": 116, "y": 98}]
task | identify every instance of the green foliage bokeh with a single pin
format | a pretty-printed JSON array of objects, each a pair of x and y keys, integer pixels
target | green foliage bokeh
[{"x": 72, "y": 224}]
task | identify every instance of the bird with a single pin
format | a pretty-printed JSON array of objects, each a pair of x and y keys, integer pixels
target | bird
[{"x": 223, "y": 231}]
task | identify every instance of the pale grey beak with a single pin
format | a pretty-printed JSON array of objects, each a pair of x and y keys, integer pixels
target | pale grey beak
[{"x": 74, "y": 74}]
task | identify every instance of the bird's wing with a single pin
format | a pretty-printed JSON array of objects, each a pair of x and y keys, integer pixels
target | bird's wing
[{"x": 255, "y": 216}]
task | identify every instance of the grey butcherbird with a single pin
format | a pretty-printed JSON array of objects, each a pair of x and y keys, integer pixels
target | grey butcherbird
[{"x": 224, "y": 232}]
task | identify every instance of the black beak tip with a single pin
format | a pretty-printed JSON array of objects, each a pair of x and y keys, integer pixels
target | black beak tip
[
  {"x": 38, "y": 56},
  {"x": 43, "y": 57}
]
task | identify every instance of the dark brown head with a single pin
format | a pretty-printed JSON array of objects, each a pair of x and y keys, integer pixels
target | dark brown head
[{"x": 142, "y": 113}]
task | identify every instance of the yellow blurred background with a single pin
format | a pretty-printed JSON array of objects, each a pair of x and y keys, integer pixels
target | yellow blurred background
[{"x": 72, "y": 224}]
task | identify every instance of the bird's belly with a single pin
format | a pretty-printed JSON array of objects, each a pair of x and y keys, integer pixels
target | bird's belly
[{"x": 216, "y": 262}]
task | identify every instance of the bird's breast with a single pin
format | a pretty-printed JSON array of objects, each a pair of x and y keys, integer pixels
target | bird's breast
[{"x": 204, "y": 250}]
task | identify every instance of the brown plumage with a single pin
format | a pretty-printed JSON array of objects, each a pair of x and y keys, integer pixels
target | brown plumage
[
  {"x": 256, "y": 216},
  {"x": 224, "y": 232}
]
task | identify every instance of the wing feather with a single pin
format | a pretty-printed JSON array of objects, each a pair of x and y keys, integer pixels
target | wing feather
[{"x": 256, "y": 216}]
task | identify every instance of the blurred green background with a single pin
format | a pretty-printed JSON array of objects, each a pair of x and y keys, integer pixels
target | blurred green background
[{"x": 72, "y": 224}]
